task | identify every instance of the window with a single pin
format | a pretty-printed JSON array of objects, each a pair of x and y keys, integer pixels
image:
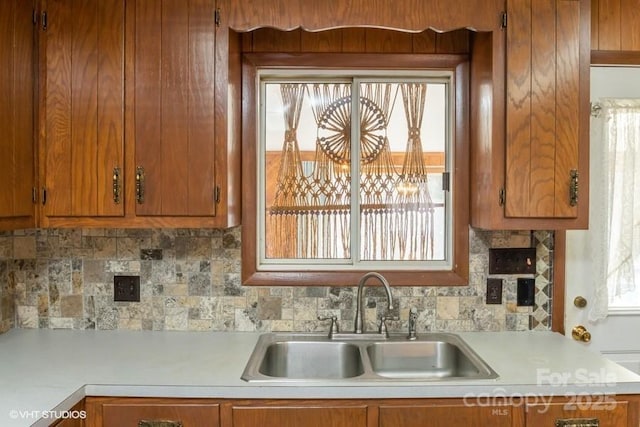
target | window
[
  {"x": 616, "y": 204},
  {"x": 306, "y": 223}
]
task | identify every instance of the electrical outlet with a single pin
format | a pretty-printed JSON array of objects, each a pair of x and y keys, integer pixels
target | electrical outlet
[
  {"x": 494, "y": 291},
  {"x": 512, "y": 261},
  {"x": 126, "y": 288},
  {"x": 526, "y": 291}
]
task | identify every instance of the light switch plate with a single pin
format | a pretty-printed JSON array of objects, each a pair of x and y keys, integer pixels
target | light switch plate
[
  {"x": 526, "y": 292},
  {"x": 512, "y": 260}
]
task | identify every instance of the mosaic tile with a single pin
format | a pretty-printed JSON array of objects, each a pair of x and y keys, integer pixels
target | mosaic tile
[
  {"x": 24, "y": 247},
  {"x": 190, "y": 280}
]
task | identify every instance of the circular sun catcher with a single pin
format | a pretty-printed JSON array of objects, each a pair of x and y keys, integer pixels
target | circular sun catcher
[{"x": 334, "y": 130}]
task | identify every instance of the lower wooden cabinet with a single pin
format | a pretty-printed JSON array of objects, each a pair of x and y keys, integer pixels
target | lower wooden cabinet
[
  {"x": 69, "y": 422},
  {"x": 293, "y": 414},
  {"x": 444, "y": 415},
  {"x": 74, "y": 417},
  {"x": 584, "y": 411},
  {"x": 151, "y": 412}
]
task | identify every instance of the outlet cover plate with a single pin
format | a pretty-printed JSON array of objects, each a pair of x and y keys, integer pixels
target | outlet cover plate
[
  {"x": 526, "y": 292},
  {"x": 494, "y": 291},
  {"x": 512, "y": 261},
  {"x": 126, "y": 288}
]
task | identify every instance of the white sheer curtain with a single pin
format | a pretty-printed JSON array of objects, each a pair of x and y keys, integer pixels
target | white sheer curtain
[{"x": 614, "y": 232}]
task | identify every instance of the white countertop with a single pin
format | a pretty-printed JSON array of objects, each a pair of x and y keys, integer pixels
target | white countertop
[{"x": 45, "y": 370}]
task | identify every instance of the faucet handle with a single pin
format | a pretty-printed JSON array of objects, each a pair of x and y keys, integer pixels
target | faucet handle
[
  {"x": 333, "y": 329},
  {"x": 413, "y": 320},
  {"x": 383, "y": 325}
]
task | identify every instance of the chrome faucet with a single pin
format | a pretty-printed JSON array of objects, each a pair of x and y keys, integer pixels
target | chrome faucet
[{"x": 359, "y": 323}]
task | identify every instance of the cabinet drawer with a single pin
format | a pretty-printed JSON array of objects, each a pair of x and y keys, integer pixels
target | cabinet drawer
[
  {"x": 445, "y": 416},
  {"x": 576, "y": 413},
  {"x": 129, "y": 412}
]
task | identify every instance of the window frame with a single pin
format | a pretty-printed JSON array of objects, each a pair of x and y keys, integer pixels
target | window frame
[{"x": 307, "y": 275}]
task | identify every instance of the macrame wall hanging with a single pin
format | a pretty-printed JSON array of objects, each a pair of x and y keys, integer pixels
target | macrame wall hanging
[{"x": 310, "y": 215}]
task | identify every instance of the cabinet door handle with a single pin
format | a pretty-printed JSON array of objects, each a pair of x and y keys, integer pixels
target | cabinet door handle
[
  {"x": 116, "y": 185},
  {"x": 159, "y": 423},
  {"x": 573, "y": 188},
  {"x": 578, "y": 422},
  {"x": 140, "y": 185}
]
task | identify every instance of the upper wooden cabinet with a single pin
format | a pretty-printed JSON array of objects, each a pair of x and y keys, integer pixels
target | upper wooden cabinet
[
  {"x": 17, "y": 43},
  {"x": 175, "y": 107},
  {"x": 82, "y": 101},
  {"x": 138, "y": 123},
  {"x": 182, "y": 135},
  {"x": 615, "y": 25},
  {"x": 532, "y": 173}
]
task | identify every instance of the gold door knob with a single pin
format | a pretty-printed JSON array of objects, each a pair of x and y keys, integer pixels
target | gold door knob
[
  {"x": 580, "y": 302},
  {"x": 580, "y": 333}
]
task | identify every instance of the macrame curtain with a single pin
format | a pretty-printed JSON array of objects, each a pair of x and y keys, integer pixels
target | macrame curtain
[
  {"x": 310, "y": 215},
  {"x": 292, "y": 190},
  {"x": 614, "y": 234},
  {"x": 417, "y": 236}
]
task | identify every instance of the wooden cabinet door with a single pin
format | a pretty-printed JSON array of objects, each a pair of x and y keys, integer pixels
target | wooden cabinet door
[
  {"x": 546, "y": 115},
  {"x": 150, "y": 412},
  {"x": 175, "y": 107},
  {"x": 298, "y": 415},
  {"x": 16, "y": 113},
  {"x": 584, "y": 409},
  {"x": 83, "y": 99},
  {"x": 445, "y": 416}
]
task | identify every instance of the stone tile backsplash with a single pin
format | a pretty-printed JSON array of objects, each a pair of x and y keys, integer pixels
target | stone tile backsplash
[{"x": 190, "y": 280}]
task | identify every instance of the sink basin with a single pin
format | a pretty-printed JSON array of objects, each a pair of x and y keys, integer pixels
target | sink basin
[
  {"x": 316, "y": 359},
  {"x": 311, "y": 359},
  {"x": 420, "y": 359}
]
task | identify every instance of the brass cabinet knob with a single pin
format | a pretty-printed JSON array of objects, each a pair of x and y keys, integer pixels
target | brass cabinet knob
[
  {"x": 580, "y": 333},
  {"x": 580, "y": 302}
]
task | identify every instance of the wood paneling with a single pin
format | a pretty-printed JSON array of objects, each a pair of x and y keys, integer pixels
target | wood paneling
[
  {"x": 519, "y": 94},
  {"x": 567, "y": 118},
  {"x": 110, "y": 100},
  {"x": 411, "y": 15},
  {"x": 84, "y": 106},
  {"x": 615, "y": 25},
  {"x": 16, "y": 113},
  {"x": 356, "y": 40}
]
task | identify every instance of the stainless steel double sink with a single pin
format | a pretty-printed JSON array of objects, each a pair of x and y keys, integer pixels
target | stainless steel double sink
[{"x": 298, "y": 357}]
